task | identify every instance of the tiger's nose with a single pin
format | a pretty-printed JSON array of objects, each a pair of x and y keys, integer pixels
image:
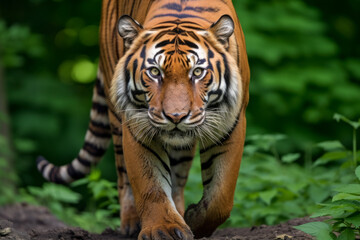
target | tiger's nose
[{"x": 176, "y": 117}]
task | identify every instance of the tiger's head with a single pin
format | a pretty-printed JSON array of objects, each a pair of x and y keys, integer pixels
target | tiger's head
[{"x": 178, "y": 82}]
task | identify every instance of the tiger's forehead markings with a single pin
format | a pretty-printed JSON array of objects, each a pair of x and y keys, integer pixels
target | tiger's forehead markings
[{"x": 179, "y": 8}]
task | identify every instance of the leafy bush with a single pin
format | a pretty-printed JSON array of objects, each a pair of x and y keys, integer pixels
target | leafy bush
[
  {"x": 272, "y": 188},
  {"x": 344, "y": 208}
]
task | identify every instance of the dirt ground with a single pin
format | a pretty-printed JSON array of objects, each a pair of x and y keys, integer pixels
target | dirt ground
[{"x": 26, "y": 222}]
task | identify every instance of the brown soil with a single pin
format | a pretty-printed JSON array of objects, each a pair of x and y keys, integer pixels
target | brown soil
[{"x": 25, "y": 222}]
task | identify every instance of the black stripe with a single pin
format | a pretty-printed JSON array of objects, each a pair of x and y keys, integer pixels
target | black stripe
[
  {"x": 39, "y": 161},
  {"x": 93, "y": 149},
  {"x": 100, "y": 125},
  {"x": 99, "y": 88},
  {"x": 121, "y": 170},
  {"x": 173, "y": 6},
  {"x": 100, "y": 108},
  {"x": 166, "y": 167},
  {"x": 190, "y": 44},
  {"x": 115, "y": 130},
  {"x": 227, "y": 70},
  {"x": 180, "y": 16},
  {"x": 218, "y": 68},
  {"x": 84, "y": 161},
  {"x": 160, "y": 34},
  {"x": 135, "y": 65},
  {"x": 163, "y": 43},
  {"x": 192, "y": 27},
  {"x": 51, "y": 174},
  {"x": 118, "y": 149},
  {"x": 174, "y": 162},
  {"x": 210, "y": 81},
  {"x": 206, "y": 165},
  {"x": 100, "y": 134},
  {"x": 207, "y": 181},
  {"x": 162, "y": 27},
  {"x": 177, "y": 22},
  {"x": 73, "y": 173},
  {"x": 55, "y": 177},
  {"x": 201, "y": 9}
]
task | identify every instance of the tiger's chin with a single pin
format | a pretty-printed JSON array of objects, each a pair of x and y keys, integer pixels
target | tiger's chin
[{"x": 177, "y": 138}]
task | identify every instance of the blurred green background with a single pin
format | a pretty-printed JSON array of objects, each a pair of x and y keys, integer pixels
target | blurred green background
[{"x": 304, "y": 57}]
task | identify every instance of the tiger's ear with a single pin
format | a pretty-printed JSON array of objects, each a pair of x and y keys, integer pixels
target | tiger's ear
[
  {"x": 128, "y": 29},
  {"x": 223, "y": 29}
]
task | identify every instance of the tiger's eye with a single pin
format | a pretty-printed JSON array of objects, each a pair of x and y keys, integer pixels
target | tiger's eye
[
  {"x": 197, "y": 72},
  {"x": 155, "y": 72}
]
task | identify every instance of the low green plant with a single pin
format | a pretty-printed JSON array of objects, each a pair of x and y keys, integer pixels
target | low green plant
[
  {"x": 100, "y": 209},
  {"x": 274, "y": 187},
  {"x": 344, "y": 209}
]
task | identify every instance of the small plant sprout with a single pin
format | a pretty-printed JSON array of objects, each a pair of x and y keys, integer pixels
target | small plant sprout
[{"x": 355, "y": 126}]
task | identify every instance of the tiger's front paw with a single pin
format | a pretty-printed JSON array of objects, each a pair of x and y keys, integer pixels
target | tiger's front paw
[{"x": 166, "y": 232}]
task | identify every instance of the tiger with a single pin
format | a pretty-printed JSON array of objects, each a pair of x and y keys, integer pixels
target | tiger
[{"x": 173, "y": 78}]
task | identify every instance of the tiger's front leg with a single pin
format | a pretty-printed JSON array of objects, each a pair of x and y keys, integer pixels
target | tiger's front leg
[
  {"x": 149, "y": 173},
  {"x": 220, "y": 166}
]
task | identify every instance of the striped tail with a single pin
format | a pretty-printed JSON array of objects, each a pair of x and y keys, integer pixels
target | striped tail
[{"x": 97, "y": 140}]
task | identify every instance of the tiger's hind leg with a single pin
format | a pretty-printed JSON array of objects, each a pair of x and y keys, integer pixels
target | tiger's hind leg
[{"x": 130, "y": 221}]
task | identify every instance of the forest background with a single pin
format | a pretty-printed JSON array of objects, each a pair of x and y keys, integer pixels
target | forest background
[{"x": 304, "y": 57}]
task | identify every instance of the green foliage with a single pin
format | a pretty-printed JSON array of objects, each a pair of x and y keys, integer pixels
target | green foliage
[
  {"x": 297, "y": 78},
  {"x": 104, "y": 193},
  {"x": 344, "y": 208},
  {"x": 102, "y": 208},
  {"x": 18, "y": 39},
  {"x": 272, "y": 188},
  {"x": 320, "y": 230}
]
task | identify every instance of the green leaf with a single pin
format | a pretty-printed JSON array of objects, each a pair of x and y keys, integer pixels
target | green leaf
[
  {"x": 267, "y": 196},
  {"x": 347, "y": 234},
  {"x": 339, "y": 117},
  {"x": 331, "y": 156},
  {"x": 347, "y": 196},
  {"x": 328, "y": 211},
  {"x": 349, "y": 188},
  {"x": 289, "y": 158},
  {"x": 80, "y": 182},
  {"x": 316, "y": 229},
  {"x": 331, "y": 145},
  {"x": 355, "y": 220},
  {"x": 60, "y": 193},
  {"x": 357, "y": 172}
]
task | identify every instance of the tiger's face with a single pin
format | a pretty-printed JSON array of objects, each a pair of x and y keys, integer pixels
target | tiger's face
[{"x": 176, "y": 82}]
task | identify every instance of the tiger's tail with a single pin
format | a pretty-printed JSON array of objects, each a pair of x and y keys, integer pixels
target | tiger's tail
[{"x": 97, "y": 140}]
